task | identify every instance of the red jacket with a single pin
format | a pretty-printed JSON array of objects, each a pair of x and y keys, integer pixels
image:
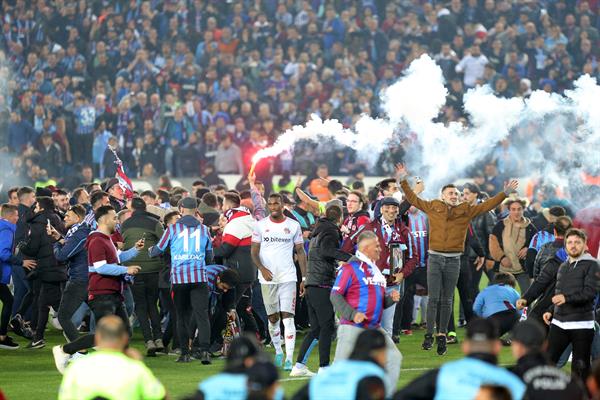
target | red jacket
[{"x": 401, "y": 234}]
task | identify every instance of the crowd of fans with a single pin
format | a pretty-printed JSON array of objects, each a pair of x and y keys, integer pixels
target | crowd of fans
[
  {"x": 178, "y": 85},
  {"x": 195, "y": 88}
]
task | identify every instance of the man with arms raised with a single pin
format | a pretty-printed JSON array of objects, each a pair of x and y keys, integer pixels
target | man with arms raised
[{"x": 448, "y": 223}]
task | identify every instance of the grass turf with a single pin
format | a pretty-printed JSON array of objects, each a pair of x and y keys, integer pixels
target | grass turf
[{"x": 30, "y": 373}]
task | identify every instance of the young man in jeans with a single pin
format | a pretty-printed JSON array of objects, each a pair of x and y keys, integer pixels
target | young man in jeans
[
  {"x": 71, "y": 249},
  {"x": 106, "y": 281},
  {"x": 448, "y": 223}
]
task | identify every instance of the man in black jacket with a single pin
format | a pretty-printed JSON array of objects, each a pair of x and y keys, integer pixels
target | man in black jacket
[
  {"x": 144, "y": 225},
  {"x": 323, "y": 254},
  {"x": 547, "y": 261},
  {"x": 544, "y": 381},
  {"x": 50, "y": 275},
  {"x": 571, "y": 315}
]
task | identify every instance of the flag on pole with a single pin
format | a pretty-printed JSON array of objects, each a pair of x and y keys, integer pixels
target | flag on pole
[{"x": 124, "y": 180}]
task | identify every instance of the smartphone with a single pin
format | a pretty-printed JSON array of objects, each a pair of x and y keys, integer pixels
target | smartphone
[{"x": 48, "y": 224}]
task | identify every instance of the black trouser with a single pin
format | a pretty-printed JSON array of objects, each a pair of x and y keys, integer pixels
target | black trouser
[
  {"x": 243, "y": 307},
  {"x": 322, "y": 324},
  {"x": 31, "y": 300},
  {"x": 74, "y": 294},
  {"x": 191, "y": 302},
  {"x": 145, "y": 298},
  {"x": 465, "y": 290},
  {"x": 505, "y": 320},
  {"x": 101, "y": 306},
  {"x": 6, "y": 298},
  {"x": 166, "y": 301},
  {"x": 50, "y": 294},
  {"x": 581, "y": 339},
  {"x": 404, "y": 310},
  {"x": 218, "y": 319}
]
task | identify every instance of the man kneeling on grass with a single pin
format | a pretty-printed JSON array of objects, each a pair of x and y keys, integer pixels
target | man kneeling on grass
[{"x": 113, "y": 372}]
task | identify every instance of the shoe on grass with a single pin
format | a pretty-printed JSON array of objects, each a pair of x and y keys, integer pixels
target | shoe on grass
[
  {"x": 37, "y": 344},
  {"x": 427, "y": 342},
  {"x": 441, "y": 345},
  {"x": 150, "y": 348},
  {"x": 184, "y": 358},
  {"x": 301, "y": 370},
  {"x": 288, "y": 365},
  {"x": 8, "y": 344},
  {"x": 160, "y": 347},
  {"x": 279, "y": 360},
  {"x": 60, "y": 358}
]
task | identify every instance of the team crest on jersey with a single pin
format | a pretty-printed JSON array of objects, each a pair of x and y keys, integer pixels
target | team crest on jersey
[{"x": 286, "y": 231}]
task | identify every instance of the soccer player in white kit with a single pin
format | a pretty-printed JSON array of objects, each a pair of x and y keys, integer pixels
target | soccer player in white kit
[{"x": 273, "y": 243}]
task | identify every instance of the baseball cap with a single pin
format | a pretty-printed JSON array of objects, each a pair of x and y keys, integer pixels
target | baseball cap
[
  {"x": 390, "y": 201},
  {"x": 482, "y": 330},
  {"x": 189, "y": 203},
  {"x": 529, "y": 333}
]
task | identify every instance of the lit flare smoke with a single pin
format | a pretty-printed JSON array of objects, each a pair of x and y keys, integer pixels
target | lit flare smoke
[{"x": 554, "y": 136}]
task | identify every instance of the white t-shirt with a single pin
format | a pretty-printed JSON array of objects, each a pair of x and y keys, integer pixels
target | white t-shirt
[{"x": 277, "y": 241}]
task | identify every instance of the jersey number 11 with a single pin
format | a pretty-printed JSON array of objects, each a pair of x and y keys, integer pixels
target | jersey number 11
[{"x": 186, "y": 235}]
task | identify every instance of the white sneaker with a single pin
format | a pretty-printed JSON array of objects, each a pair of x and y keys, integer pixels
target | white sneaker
[
  {"x": 60, "y": 358},
  {"x": 322, "y": 369},
  {"x": 301, "y": 371}
]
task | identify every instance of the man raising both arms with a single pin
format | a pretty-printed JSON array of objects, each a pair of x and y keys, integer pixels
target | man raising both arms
[
  {"x": 448, "y": 223},
  {"x": 273, "y": 243}
]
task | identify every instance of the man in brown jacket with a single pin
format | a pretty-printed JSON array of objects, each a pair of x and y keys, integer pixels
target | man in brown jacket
[{"x": 448, "y": 223}]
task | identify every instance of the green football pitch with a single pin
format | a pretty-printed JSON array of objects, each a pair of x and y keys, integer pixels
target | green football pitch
[{"x": 30, "y": 374}]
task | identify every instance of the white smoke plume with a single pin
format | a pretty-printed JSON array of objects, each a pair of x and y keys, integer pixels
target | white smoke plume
[{"x": 556, "y": 138}]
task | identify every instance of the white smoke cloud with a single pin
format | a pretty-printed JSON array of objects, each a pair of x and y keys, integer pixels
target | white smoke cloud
[{"x": 555, "y": 137}]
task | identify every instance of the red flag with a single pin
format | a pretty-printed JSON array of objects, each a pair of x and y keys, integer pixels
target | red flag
[{"x": 124, "y": 180}]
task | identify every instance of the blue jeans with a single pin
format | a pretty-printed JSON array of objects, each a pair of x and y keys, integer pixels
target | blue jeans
[
  {"x": 387, "y": 319},
  {"x": 22, "y": 286}
]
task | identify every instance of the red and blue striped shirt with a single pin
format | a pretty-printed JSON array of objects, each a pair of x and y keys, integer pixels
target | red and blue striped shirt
[
  {"x": 212, "y": 271},
  {"x": 361, "y": 289},
  {"x": 189, "y": 242},
  {"x": 419, "y": 227},
  {"x": 540, "y": 239}
]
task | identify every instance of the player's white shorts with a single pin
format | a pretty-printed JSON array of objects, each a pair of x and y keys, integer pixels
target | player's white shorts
[{"x": 279, "y": 297}]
